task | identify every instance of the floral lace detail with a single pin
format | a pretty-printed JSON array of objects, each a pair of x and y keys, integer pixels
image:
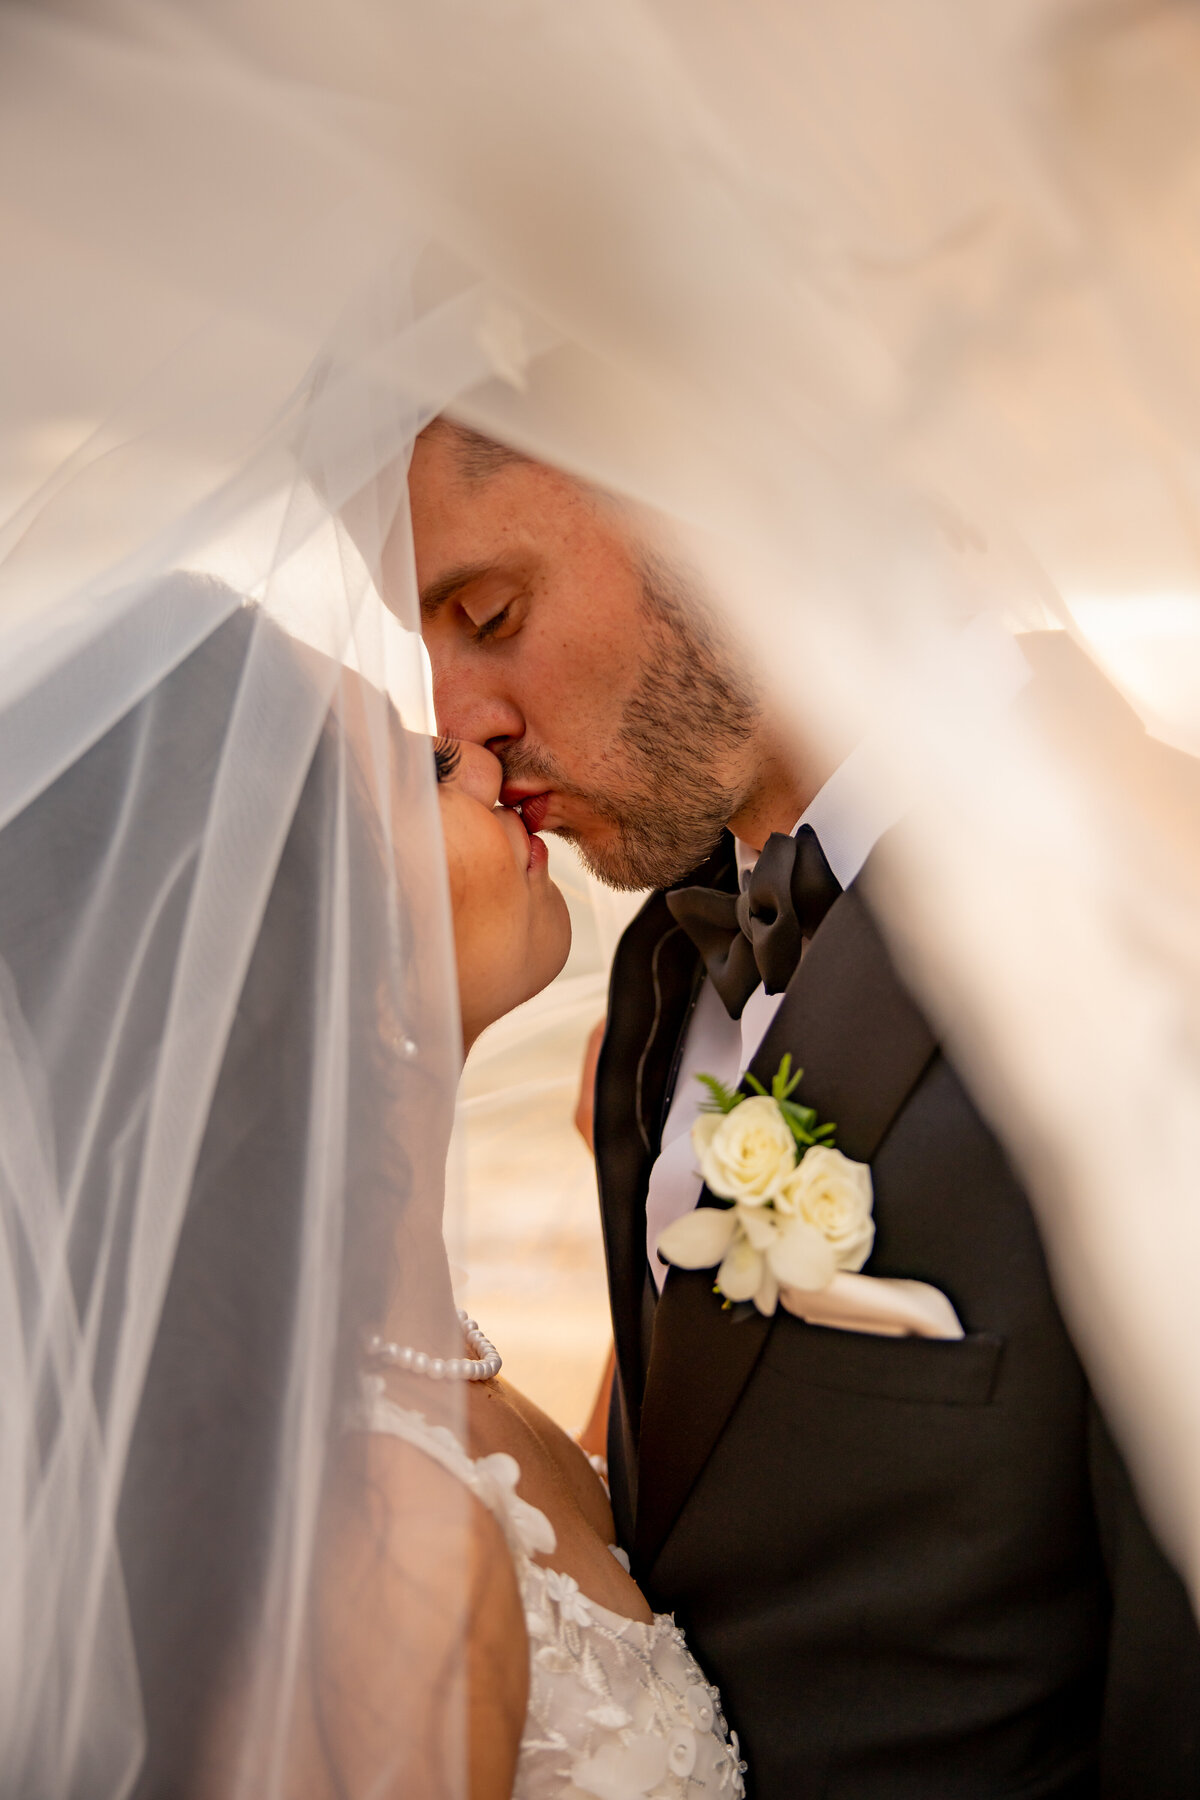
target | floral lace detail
[
  {"x": 492, "y": 1479},
  {"x": 618, "y": 1709}
]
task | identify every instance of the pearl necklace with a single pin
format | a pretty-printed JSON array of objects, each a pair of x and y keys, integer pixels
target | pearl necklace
[{"x": 450, "y": 1368}]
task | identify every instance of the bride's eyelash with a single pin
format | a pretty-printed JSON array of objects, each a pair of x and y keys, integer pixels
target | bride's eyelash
[{"x": 447, "y": 754}]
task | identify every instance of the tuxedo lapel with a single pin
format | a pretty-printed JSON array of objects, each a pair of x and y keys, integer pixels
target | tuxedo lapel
[
  {"x": 700, "y": 1361},
  {"x": 862, "y": 1044},
  {"x": 656, "y": 973},
  {"x": 854, "y": 1030}
]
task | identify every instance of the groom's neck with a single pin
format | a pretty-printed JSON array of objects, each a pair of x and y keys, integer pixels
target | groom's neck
[{"x": 786, "y": 784}]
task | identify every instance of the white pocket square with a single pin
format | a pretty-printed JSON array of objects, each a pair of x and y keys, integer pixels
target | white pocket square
[{"x": 872, "y": 1303}]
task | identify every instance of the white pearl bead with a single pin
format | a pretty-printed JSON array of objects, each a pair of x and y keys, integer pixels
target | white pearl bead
[
  {"x": 485, "y": 1364},
  {"x": 700, "y": 1707},
  {"x": 681, "y": 1751}
]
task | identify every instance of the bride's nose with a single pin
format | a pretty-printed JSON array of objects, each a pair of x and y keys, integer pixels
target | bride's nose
[{"x": 479, "y": 773}]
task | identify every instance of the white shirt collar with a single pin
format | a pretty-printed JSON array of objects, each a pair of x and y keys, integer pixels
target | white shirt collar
[
  {"x": 849, "y": 815},
  {"x": 862, "y": 799}
]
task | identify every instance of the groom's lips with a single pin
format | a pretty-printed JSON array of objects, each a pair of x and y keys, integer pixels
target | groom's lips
[{"x": 532, "y": 807}]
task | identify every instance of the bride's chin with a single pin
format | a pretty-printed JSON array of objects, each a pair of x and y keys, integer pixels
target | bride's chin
[
  {"x": 556, "y": 931},
  {"x": 544, "y": 966}
]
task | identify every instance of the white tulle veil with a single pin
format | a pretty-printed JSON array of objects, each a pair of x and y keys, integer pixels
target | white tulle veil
[{"x": 884, "y": 314}]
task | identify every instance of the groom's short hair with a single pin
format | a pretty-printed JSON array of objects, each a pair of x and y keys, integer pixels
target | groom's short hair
[{"x": 476, "y": 455}]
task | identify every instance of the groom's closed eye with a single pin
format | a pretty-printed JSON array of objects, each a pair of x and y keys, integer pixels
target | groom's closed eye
[
  {"x": 499, "y": 625},
  {"x": 490, "y": 601},
  {"x": 494, "y": 609}
]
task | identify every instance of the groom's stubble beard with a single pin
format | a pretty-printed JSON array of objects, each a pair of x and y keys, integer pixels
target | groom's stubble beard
[{"x": 682, "y": 736}]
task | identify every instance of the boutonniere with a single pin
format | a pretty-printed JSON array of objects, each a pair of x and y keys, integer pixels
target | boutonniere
[{"x": 801, "y": 1210}]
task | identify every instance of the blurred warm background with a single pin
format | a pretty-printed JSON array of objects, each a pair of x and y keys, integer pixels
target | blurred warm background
[{"x": 530, "y": 1239}]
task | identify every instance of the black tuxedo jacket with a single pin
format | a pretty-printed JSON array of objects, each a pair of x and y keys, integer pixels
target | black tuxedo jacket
[{"x": 915, "y": 1569}]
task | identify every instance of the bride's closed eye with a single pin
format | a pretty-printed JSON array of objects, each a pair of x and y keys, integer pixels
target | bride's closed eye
[{"x": 447, "y": 755}]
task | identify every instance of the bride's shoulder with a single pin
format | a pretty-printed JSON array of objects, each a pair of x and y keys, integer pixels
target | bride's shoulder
[
  {"x": 502, "y": 1418},
  {"x": 413, "y": 1567}
]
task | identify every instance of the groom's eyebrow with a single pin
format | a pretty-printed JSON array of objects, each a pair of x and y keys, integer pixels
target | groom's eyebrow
[{"x": 447, "y": 586}]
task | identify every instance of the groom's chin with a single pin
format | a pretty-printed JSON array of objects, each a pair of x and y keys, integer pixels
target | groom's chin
[{"x": 635, "y": 860}]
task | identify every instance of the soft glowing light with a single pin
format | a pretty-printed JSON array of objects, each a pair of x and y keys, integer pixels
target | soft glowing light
[{"x": 1150, "y": 645}]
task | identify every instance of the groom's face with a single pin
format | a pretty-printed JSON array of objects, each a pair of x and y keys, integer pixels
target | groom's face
[{"x": 558, "y": 643}]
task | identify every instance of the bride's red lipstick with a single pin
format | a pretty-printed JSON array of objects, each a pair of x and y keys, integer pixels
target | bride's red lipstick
[{"x": 538, "y": 855}]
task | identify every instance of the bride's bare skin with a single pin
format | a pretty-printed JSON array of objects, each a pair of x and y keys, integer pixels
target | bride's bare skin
[
  {"x": 556, "y": 1476},
  {"x": 417, "y": 1593}
]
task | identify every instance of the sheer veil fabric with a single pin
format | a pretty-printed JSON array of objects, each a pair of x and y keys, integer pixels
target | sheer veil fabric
[{"x": 881, "y": 315}]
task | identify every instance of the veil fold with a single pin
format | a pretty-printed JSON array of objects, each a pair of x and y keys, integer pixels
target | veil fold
[{"x": 883, "y": 313}]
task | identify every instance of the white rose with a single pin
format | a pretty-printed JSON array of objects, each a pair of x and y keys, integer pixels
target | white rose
[
  {"x": 745, "y": 1154},
  {"x": 833, "y": 1194}
]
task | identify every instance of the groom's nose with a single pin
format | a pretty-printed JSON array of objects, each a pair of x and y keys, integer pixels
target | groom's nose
[{"x": 469, "y": 705}]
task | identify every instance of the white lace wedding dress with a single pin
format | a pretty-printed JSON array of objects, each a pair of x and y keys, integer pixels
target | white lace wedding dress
[{"x": 618, "y": 1710}]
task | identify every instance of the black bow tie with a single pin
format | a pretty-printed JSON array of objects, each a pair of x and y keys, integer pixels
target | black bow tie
[{"x": 757, "y": 935}]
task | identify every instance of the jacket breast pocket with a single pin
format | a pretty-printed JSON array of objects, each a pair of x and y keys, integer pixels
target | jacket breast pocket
[{"x": 932, "y": 1371}]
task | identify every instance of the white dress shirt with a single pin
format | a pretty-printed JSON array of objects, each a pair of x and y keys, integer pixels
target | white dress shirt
[
  {"x": 724, "y": 1047},
  {"x": 858, "y": 803}
]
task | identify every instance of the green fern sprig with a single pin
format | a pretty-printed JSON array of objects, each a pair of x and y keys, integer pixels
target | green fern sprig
[
  {"x": 801, "y": 1120},
  {"x": 721, "y": 1099}
]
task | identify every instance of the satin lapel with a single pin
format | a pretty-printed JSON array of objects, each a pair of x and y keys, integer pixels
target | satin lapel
[
  {"x": 850, "y": 1025},
  {"x": 654, "y": 978},
  {"x": 700, "y": 1361},
  {"x": 863, "y": 1045}
]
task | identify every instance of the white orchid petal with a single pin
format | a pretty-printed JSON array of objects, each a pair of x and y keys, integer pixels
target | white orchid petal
[
  {"x": 759, "y": 1225},
  {"x": 766, "y": 1296},
  {"x": 700, "y": 1238},
  {"x": 740, "y": 1274},
  {"x": 801, "y": 1258}
]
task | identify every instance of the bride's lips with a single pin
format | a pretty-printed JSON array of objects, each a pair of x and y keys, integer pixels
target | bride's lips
[{"x": 536, "y": 854}]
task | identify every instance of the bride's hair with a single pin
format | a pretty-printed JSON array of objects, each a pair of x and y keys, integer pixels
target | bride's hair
[{"x": 202, "y": 1475}]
